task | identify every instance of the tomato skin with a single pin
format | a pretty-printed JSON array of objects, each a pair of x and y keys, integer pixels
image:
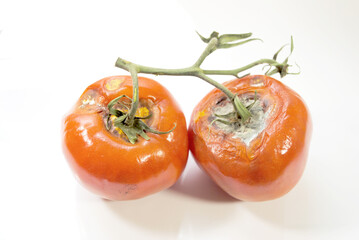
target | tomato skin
[
  {"x": 109, "y": 165},
  {"x": 272, "y": 163}
]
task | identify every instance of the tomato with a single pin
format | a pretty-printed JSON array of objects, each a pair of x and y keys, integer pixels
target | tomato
[
  {"x": 262, "y": 159},
  {"x": 104, "y": 160}
]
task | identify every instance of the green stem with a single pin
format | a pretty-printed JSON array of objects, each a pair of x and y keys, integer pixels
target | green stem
[
  {"x": 133, "y": 126},
  {"x": 211, "y": 47},
  {"x": 122, "y": 63},
  {"x": 235, "y": 72},
  {"x": 241, "y": 110},
  {"x": 191, "y": 71},
  {"x": 134, "y": 105},
  {"x": 216, "y": 84},
  {"x": 195, "y": 70}
]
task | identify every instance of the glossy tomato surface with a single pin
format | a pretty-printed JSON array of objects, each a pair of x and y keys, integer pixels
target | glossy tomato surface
[
  {"x": 257, "y": 164},
  {"x": 107, "y": 163}
]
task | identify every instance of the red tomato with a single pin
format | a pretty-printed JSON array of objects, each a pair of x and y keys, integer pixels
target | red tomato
[
  {"x": 263, "y": 159},
  {"x": 105, "y": 161}
]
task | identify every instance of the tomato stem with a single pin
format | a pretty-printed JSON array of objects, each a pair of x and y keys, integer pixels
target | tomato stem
[
  {"x": 211, "y": 47},
  {"x": 214, "y": 42},
  {"x": 235, "y": 72},
  {"x": 134, "y": 105},
  {"x": 242, "y": 112}
]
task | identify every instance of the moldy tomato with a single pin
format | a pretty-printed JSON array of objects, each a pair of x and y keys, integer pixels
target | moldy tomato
[
  {"x": 263, "y": 158},
  {"x": 102, "y": 157}
]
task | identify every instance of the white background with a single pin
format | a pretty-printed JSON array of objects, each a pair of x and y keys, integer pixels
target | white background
[{"x": 50, "y": 51}]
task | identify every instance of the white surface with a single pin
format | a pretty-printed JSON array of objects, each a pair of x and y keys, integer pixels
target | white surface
[{"x": 50, "y": 51}]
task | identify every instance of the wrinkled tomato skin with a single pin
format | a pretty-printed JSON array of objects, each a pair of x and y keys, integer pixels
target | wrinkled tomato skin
[
  {"x": 271, "y": 164},
  {"x": 112, "y": 167}
]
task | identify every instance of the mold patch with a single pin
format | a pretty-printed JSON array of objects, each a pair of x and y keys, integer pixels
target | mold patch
[{"x": 249, "y": 130}]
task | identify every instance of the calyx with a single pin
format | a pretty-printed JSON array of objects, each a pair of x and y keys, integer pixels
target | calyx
[{"x": 118, "y": 115}]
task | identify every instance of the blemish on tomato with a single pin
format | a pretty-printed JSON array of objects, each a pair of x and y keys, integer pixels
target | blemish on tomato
[
  {"x": 199, "y": 115},
  {"x": 257, "y": 82},
  {"x": 142, "y": 112},
  {"x": 248, "y": 131},
  {"x": 89, "y": 98},
  {"x": 114, "y": 83},
  {"x": 90, "y": 101}
]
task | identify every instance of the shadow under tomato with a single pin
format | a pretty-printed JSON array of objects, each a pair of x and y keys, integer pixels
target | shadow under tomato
[
  {"x": 197, "y": 184},
  {"x": 172, "y": 215},
  {"x": 164, "y": 215},
  {"x": 299, "y": 209}
]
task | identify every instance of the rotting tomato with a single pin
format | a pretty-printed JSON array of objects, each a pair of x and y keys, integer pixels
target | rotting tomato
[
  {"x": 262, "y": 159},
  {"x": 101, "y": 156}
]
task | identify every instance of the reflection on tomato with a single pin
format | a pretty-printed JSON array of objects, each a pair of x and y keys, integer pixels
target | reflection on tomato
[
  {"x": 262, "y": 159},
  {"x": 105, "y": 161}
]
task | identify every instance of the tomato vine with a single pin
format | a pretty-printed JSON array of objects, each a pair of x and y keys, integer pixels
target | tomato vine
[{"x": 214, "y": 42}]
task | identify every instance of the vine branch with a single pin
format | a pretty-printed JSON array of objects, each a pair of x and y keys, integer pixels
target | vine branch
[{"x": 214, "y": 42}]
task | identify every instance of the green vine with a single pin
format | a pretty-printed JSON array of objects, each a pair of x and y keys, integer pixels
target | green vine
[{"x": 134, "y": 127}]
